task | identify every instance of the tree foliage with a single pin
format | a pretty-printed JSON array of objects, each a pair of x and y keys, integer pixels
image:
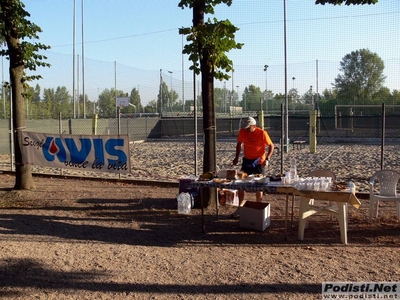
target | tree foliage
[
  {"x": 213, "y": 37},
  {"x": 217, "y": 38},
  {"x": 251, "y": 98},
  {"x": 362, "y": 77},
  {"x": 134, "y": 99},
  {"x": 20, "y": 36},
  {"x": 163, "y": 98},
  {"x": 22, "y": 50},
  {"x": 107, "y": 107}
]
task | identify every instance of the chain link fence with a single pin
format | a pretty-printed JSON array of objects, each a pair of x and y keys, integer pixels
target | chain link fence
[{"x": 167, "y": 132}]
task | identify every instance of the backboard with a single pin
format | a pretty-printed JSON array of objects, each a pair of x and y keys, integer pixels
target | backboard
[{"x": 122, "y": 101}]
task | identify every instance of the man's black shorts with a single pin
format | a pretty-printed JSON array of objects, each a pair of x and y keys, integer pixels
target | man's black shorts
[{"x": 251, "y": 166}]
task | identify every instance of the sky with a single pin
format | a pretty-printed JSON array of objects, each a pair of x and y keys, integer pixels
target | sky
[{"x": 127, "y": 42}]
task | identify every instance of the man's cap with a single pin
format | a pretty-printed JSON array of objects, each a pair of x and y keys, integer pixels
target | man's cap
[{"x": 246, "y": 122}]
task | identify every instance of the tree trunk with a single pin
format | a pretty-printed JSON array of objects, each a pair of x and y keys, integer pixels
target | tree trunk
[
  {"x": 209, "y": 121},
  {"x": 207, "y": 88},
  {"x": 23, "y": 175}
]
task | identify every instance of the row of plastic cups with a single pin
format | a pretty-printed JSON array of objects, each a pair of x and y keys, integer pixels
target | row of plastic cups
[
  {"x": 329, "y": 179},
  {"x": 289, "y": 180},
  {"x": 314, "y": 184}
]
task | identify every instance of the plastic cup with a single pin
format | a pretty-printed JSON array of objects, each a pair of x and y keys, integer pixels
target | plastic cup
[{"x": 309, "y": 185}]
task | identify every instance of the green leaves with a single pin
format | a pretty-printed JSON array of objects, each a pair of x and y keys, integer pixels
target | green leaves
[
  {"x": 208, "y": 5},
  {"x": 211, "y": 39},
  {"x": 362, "y": 76},
  {"x": 216, "y": 38},
  {"x": 21, "y": 35}
]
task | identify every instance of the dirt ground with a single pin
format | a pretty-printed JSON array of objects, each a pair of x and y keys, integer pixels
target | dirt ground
[{"x": 96, "y": 239}]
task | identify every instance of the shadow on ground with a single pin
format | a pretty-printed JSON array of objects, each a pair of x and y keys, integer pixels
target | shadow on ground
[{"x": 155, "y": 222}]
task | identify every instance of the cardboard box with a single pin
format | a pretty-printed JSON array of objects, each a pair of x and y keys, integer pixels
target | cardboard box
[
  {"x": 255, "y": 216},
  {"x": 231, "y": 197}
]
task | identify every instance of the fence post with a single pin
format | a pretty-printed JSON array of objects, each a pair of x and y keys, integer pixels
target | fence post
[
  {"x": 70, "y": 125},
  {"x": 119, "y": 119},
  {"x": 313, "y": 131},
  {"x": 94, "y": 124},
  {"x": 261, "y": 115},
  {"x": 383, "y": 134},
  {"x": 351, "y": 121},
  {"x": 261, "y": 119},
  {"x": 60, "y": 131}
]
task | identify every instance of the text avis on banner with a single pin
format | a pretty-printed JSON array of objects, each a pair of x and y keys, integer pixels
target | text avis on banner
[{"x": 99, "y": 153}]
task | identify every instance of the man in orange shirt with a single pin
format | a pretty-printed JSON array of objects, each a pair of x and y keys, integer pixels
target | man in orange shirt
[{"x": 255, "y": 159}]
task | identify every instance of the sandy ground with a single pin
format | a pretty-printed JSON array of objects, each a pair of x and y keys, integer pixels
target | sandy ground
[
  {"x": 96, "y": 239},
  {"x": 171, "y": 160}
]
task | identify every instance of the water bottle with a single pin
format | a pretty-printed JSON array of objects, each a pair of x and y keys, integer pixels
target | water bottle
[
  {"x": 292, "y": 170},
  {"x": 352, "y": 187},
  {"x": 184, "y": 203}
]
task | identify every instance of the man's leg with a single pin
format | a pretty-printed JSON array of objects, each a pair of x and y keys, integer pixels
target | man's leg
[
  {"x": 241, "y": 197},
  {"x": 259, "y": 196},
  {"x": 236, "y": 213}
]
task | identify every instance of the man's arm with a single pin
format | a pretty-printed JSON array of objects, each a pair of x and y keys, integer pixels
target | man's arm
[
  {"x": 270, "y": 150},
  {"x": 238, "y": 150}
]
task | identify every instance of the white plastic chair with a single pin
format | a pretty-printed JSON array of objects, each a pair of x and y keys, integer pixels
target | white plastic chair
[
  {"x": 308, "y": 208},
  {"x": 383, "y": 187}
]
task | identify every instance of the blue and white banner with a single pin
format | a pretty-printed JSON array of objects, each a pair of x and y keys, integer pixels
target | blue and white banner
[{"x": 100, "y": 153}]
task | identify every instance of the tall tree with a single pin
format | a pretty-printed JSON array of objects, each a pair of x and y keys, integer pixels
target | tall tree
[
  {"x": 383, "y": 96},
  {"x": 48, "y": 102},
  {"x": 293, "y": 95},
  {"x": 173, "y": 99},
  {"x": 134, "y": 99},
  {"x": 32, "y": 98},
  {"x": 107, "y": 108},
  {"x": 362, "y": 77},
  {"x": 163, "y": 98},
  {"x": 62, "y": 102},
  {"x": 221, "y": 99},
  {"x": 23, "y": 52},
  {"x": 151, "y": 107},
  {"x": 34, "y": 94},
  {"x": 209, "y": 42},
  {"x": 396, "y": 97},
  {"x": 251, "y": 98}
]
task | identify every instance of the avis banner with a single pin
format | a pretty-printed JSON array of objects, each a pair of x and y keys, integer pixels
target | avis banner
[{"x": 99, "y": 153}]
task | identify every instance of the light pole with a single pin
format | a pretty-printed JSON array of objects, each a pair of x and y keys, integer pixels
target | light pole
[
  {"x": 73, "y": 58},
  {"x": 3, "y": 89},
  {"x": 161, "y": 94},
  {"x": 237, "y": 91},
  {"x": 293, "y": 95},
  {"x": 286, "y": 112},
  {"x": 83, "y": 64},
  {"x": 266, "y": 88},
  {"x": 183, "y": 77},
  {"x": 244, "y": 98},
  {"x": 170, "y": 94}
]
